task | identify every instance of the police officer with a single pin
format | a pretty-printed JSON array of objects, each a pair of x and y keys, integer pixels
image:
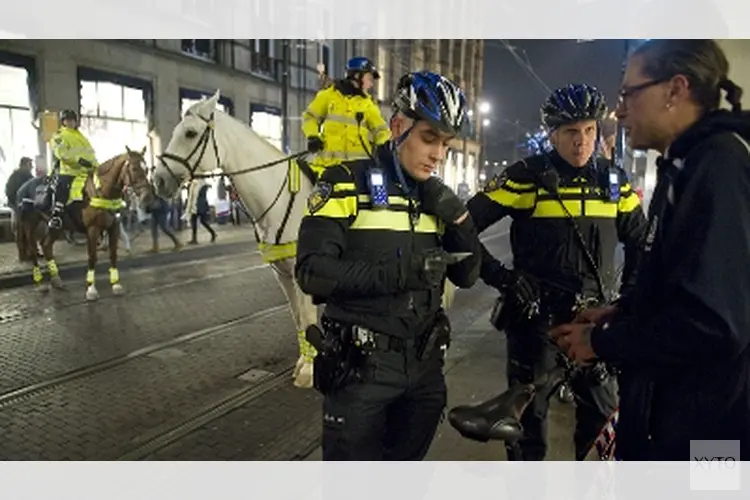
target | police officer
[
  {"x": 380, "y": 238},
  {"x": 343, "y": 122},
  {"x": 74, "y": 158},
  {"x": 549, "y": 261}
]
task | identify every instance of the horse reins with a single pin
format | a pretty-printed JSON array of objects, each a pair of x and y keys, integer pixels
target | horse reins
[{"x": 200, "y": 148}]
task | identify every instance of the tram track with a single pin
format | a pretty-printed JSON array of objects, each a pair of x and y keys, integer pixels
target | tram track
[
  {"x": 15, "y": 314},
  {"x": 161, "y": 437},
  {"x": 22, "y": 394}
]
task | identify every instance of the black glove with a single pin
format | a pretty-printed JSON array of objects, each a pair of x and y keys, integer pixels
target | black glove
[
  {"x": 85, "y": 163},
  {"x": 523, "y": 287},
  {"x": 439, "y": 199},
  {"x": 424, "y": 270},
  {"x": 314, "y": 144}
]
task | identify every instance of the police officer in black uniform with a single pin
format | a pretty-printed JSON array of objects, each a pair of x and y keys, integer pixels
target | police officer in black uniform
[
  {"x": 380, "y": 238},
  {"x": 550, "y": 265}
]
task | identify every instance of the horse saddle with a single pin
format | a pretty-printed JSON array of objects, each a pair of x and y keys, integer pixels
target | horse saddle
[{"x": 498, "y": 419}]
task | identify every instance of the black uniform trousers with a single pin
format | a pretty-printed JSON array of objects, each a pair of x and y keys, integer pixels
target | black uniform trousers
[
  {"x": 391, "y": 413},
  {"x": 531, "y": 354}
]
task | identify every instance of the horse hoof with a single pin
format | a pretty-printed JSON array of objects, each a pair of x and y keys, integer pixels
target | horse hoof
[
  {"x": 117, "y": 289},
  {"x": 42, "y": 288},
  {"x": 57, "y": 283},
  {"x": 305, "y": 378},
  {"x": 92, "y": 293}
]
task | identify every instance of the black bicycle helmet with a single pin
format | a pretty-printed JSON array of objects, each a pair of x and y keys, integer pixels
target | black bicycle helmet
[{"x": 573, "y": 103}]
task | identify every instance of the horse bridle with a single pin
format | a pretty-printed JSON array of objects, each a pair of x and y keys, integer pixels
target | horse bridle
[{"x": 209, "y": 136}]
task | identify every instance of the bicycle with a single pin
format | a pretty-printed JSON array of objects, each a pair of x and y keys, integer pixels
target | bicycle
[{"x": 499, "y": 418}]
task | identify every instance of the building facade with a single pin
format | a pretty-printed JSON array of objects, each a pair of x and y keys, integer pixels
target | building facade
[{"x": 134, "y": 92}]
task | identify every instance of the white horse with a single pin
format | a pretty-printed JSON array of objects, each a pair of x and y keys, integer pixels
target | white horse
[{"x": 270, "y": 185}]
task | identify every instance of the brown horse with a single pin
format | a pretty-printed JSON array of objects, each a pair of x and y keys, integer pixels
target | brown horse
[{"x": 96, "y": 211}]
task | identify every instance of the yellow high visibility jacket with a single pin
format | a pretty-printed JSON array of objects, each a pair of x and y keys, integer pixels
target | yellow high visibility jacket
[
  {"x": 69, "y": 145},
  {"x": 332, "y": 115}
]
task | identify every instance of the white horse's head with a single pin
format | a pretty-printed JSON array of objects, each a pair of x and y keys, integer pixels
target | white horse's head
[{"x": 192, "y": 148}]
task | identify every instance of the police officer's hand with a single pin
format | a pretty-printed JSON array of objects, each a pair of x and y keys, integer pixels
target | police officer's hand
[
  {"x": 524, "y": 288},
  {"x": 314, "y": 144},
  {"x": 439, "y": 199},
  {"x": 424, "y": 270},
  {"x": 85, "y": 163}
]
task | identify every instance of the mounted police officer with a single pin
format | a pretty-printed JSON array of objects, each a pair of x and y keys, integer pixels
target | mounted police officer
[
  {"x": 380, "y": 238},
  {"x": 570, "y": 210},
  {"x": 343, "y": 122},
  {"x": 74, "y": 157}
]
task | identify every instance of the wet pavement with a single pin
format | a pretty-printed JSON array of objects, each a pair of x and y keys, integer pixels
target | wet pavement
[
  {"x": 193, "y": 363},
  {"x": 73, "y": 260}
]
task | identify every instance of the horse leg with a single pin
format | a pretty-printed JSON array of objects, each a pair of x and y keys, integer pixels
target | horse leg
[
  {"x": 92, "y": 240},
  {"x": 284, "y": 271},
  {"x": 48, "y": 245},
  {"x": 308, "y": 315},
  {"x": 27, "y": 245},
  {"x": 114, "y": 274}
]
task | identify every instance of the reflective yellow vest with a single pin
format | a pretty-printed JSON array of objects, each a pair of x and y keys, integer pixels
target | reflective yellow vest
[
  {"x": 69, "y": 145},
  {"x": 332, "y": 115}
]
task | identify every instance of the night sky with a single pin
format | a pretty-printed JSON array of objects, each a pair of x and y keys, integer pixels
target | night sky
[{"x": 514, "y": 96}]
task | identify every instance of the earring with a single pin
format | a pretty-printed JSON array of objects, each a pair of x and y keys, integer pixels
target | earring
[{"x": 669, "y": 105}]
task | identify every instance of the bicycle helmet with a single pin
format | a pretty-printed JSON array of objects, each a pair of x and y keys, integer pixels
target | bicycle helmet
[
  {"x": 361, "y": 65},
  {"x": 573, "y": 103},
  {"x": 434, "y": 98}
]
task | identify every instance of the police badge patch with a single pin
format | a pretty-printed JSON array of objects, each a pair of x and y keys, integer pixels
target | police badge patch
[{"x": 319, "y": 196}]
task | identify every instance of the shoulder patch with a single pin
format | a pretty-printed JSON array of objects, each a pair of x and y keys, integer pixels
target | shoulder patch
[
  {"x": 319, "y": 196},
  {"x": 497, "y": 181}
]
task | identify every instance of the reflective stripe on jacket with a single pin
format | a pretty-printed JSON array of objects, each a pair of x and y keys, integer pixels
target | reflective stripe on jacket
[
  {"x": 69, "y": 146},
  {"x": 333, "y": 114}
]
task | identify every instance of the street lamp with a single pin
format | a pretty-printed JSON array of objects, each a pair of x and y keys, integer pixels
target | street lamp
[{"x": 484, "y": 107}]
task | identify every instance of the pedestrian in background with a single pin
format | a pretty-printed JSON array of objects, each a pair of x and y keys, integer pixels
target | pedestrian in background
[{"x": 199, "y": 209}]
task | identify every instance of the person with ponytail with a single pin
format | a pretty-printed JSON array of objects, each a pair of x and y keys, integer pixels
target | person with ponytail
[{"x": 680, "y": 338}]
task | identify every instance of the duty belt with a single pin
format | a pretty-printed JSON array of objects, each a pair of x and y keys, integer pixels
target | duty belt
[
  {"x": 368, "y": 340},
  {"x": 363, "y": 338}
]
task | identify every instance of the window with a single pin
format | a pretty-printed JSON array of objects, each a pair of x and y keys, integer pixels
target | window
[
  {"x": 14, "y": 90},
  {"x": 133, "y": 105},
  {"x": 262, "y": 56},
  {"x": 325, "y": 57},
  {"x": 264, "y": 47},
  {"x": 89, "y": 101},
  {"x": 269, "y": 126},
  {"x": 109, "y": 100},
  {"x": 205, "y": 49},
  {"x": 18, "y": 137},
  {"x": 113, "y": 116}
]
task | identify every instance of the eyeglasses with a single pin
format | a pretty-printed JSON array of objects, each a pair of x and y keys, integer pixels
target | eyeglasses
[{"x": 630, "y": 91}]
